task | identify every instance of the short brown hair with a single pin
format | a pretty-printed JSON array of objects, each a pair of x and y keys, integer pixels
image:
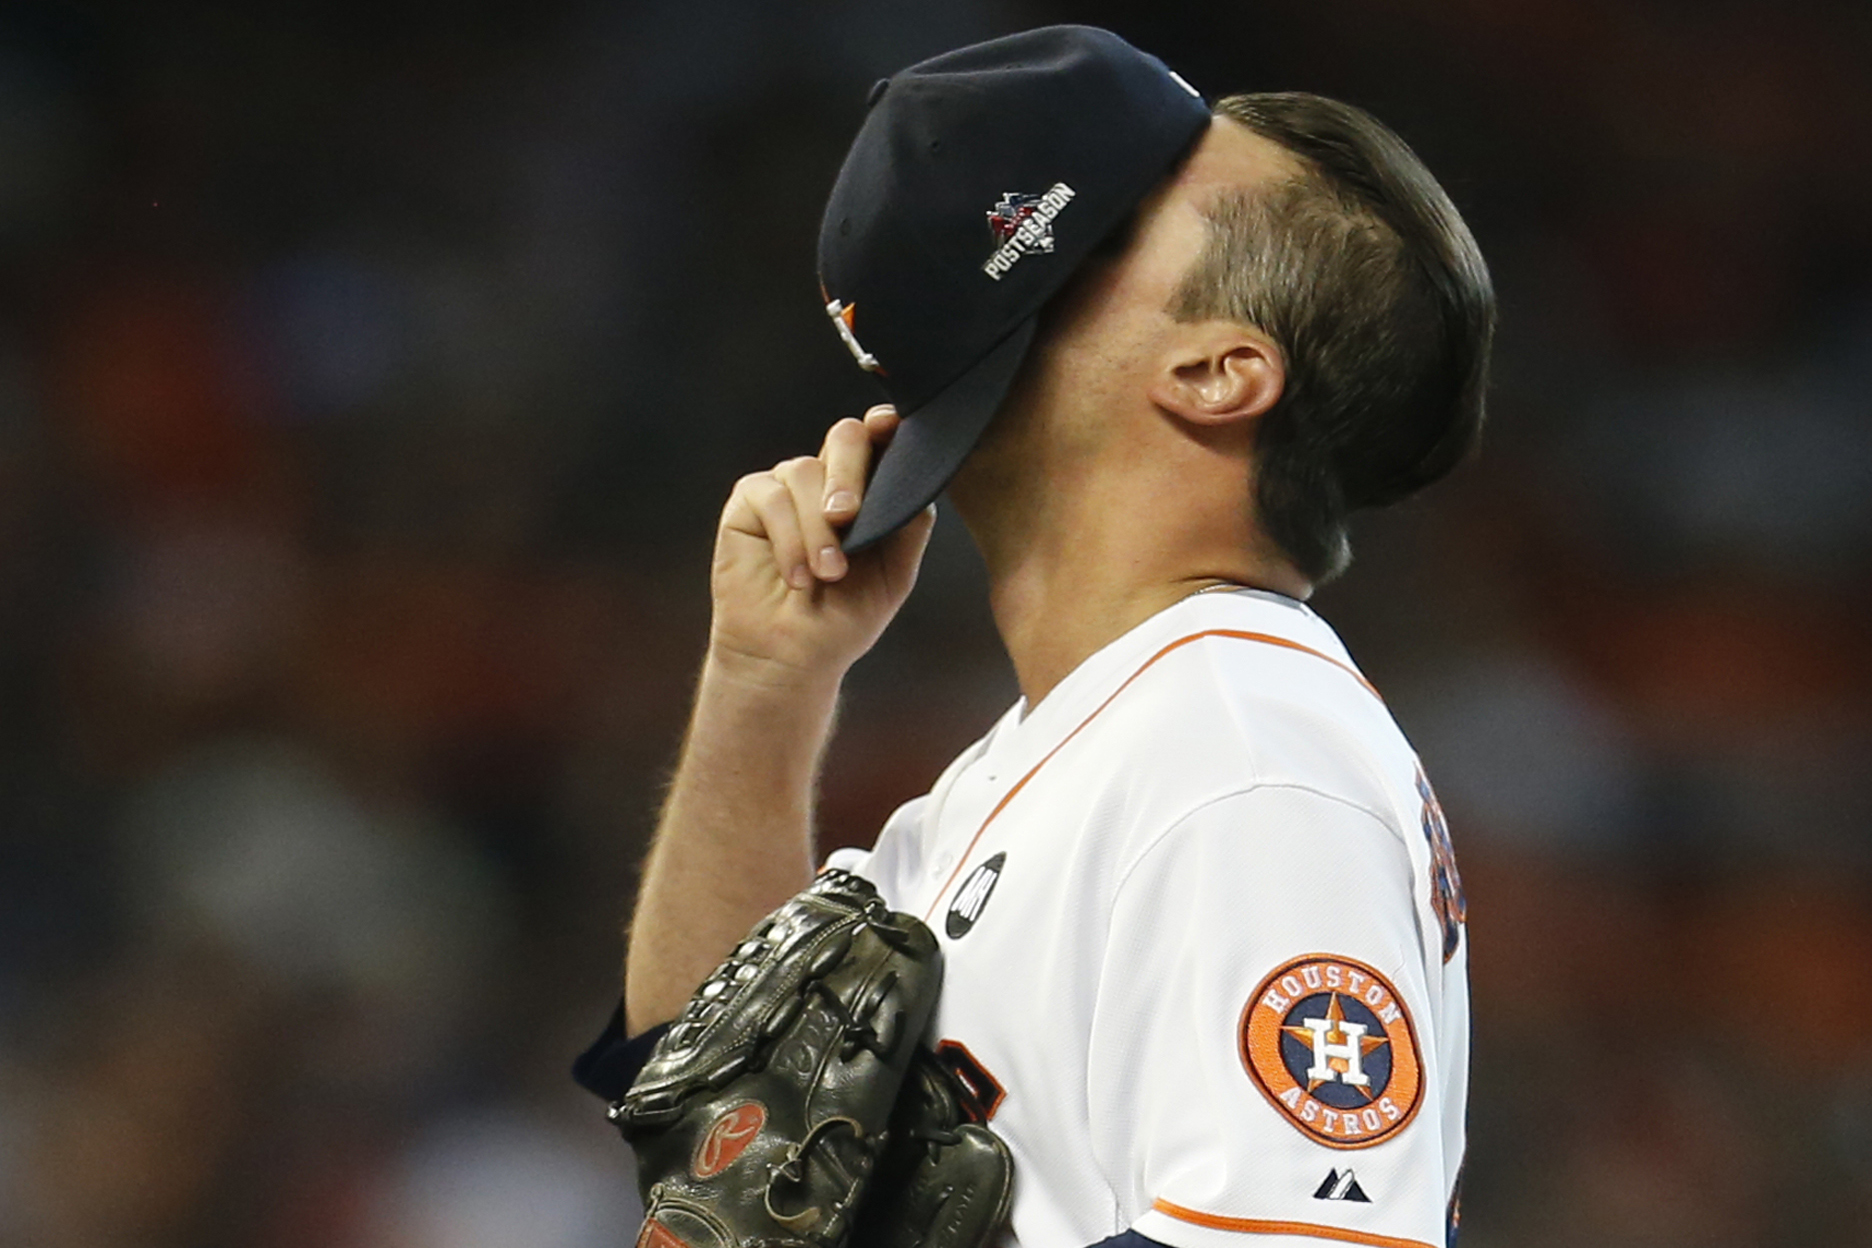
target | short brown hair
[{"x": 1364, "y": 275}]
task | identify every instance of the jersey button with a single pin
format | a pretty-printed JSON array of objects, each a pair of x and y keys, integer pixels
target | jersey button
[{"x": 943, "y": 862}]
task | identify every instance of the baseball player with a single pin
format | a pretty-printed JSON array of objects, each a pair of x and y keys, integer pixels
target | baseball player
[{"x": 1202, "y": 925}]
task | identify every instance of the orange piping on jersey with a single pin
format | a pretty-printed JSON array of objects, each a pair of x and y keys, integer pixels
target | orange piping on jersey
[
  {"x": 1178, "y": 644},
  {"x": 1257, "y": 1226}
]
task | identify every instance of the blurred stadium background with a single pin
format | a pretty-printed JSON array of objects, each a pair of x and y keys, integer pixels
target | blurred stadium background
[{"x": 370, "y": 375}]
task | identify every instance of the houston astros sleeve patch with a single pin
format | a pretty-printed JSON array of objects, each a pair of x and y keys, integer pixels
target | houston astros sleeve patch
[{"x": 1329, "y": 1041}]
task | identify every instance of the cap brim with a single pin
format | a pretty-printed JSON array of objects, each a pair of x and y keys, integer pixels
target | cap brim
[{"x": 931, "y": 443}]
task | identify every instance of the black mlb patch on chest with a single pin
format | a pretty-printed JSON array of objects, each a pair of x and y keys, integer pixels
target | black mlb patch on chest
[{"x": 972, "y": 898}]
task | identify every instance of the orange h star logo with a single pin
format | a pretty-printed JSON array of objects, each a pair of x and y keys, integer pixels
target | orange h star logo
[{"x": 1339, "y": 1048}]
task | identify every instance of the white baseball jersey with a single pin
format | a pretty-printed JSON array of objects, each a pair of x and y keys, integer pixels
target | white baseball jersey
[{"x": 1204, "y": 942}]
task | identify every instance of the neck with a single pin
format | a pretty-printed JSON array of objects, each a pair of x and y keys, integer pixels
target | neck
[{"x": 1062, "y": 586}]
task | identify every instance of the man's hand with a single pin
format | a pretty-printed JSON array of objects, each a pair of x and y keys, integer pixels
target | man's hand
[
  {"x": 791, "y": 615},
  {"x": 789, "y": 606}
]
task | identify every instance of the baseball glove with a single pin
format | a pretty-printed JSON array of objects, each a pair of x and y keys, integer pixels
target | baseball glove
[{"x": 764, "y": 1112}]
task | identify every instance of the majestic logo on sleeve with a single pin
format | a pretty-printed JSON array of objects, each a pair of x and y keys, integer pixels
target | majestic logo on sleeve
[
  {"x": 1338, "y": 1186},
  {"x": 1329, "y": 1042},
  {"x": 1023, "y": 224}
]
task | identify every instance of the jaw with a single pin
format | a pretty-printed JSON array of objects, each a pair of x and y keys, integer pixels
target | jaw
[{"x": 1062, "y": 440}]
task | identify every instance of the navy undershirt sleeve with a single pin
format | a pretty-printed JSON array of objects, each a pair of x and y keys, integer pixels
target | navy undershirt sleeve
[
  {"x": 1130, "y": 1239},
  {"x": 614, "y": 1061}
]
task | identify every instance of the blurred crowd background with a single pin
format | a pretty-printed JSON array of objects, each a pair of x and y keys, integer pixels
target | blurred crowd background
[{"x": 371, "y": 372}]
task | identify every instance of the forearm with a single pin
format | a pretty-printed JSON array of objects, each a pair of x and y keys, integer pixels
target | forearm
[
  {"x": 735, "y": 837},
  {"x": 791, "y": 615}
]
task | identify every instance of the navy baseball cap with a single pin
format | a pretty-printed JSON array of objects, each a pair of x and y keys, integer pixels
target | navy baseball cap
[{"x": 979, "y": 182}]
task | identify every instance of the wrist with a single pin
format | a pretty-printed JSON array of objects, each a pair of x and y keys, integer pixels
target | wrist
[
  {"x": 757, "y": 735},
  {"x": 740, "y": 674},
  {"x": 762, "y": 676}
]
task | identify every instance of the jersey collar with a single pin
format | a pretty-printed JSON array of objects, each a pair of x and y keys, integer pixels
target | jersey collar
[{"x": 1025, "y": 734}]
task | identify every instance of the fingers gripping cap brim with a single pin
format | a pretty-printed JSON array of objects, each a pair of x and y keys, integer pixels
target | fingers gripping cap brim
[{"x": 931, "y": 442}]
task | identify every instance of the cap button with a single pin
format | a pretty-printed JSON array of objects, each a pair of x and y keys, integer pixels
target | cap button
[{"x": 877, "y": 92}]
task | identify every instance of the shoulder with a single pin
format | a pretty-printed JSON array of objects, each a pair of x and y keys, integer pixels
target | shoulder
[
  {"x": 1231, "y": 709},
  {"x": 1281, "y": 836}
]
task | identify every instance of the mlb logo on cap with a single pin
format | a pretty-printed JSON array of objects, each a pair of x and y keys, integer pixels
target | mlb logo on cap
[{"x": 979, "y": 182}]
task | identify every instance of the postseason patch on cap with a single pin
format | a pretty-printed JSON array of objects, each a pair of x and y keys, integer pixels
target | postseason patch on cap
[
  {"x": 1023, "y": 224},
  {"x": 1329, "y": 1042}
]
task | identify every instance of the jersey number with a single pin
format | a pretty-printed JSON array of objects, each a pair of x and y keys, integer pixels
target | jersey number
[
  {"x": 985, "y": 1091},
  {"x": 1446, "y": 895}
]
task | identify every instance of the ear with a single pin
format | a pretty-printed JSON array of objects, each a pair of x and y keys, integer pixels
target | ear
[{"x": 1220, "y": 373}]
